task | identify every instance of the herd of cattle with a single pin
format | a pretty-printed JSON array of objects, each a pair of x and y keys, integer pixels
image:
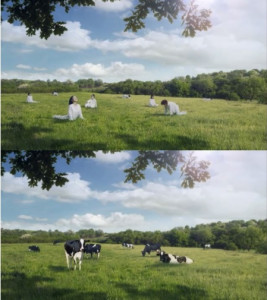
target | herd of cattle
[{"x": 74, "y": 250}]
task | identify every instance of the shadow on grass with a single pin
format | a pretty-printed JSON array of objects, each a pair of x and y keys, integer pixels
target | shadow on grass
[
  {"x": 171, "y": 292},
  {"x": 181, "y": 143},
  {"x": 17, "y": 285},
  {"x": 57, "y": 268},
  {"x": 16, "y": 137}
]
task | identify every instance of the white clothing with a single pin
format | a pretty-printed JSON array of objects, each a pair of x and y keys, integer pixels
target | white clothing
[
  {"x": 91, "y": 103},
  {"x": 152, "y": 102},
  {"x": 173, "y": 109},
  {"x": 75, "y": 112},
  {"x": 30, "y": 100}
]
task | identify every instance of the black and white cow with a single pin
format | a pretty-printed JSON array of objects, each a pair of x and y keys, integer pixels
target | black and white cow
[
  {"x": 206, "y": 246},
  {"x": 92, "y": 248},
  {"x": 126, "y": 245},
  {"x": 34, "y": 248},
  {"x": 148, "y": 248},
  {"x": 74, "y": 250},
  {"x": 174, "y": 259}
]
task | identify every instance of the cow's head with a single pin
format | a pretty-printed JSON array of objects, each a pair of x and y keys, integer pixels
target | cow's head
[{"x": 82, "y": 242}]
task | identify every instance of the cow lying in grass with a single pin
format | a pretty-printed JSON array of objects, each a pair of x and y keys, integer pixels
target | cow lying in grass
[
  {"x": 174, "y": 259},
  {"x": 126, "y": 245}
]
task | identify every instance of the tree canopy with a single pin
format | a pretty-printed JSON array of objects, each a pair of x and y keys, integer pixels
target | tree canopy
[
  {"x": 38, "y": 15},
  {"x": 39, "y": 166}
]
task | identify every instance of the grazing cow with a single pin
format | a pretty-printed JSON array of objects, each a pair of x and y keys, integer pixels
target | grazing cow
[
  {"x": 206, "y": 246},
  {"x": 74, "y": 250},
  {"x": 131, "y": 246},
  {"x": 56, "y": 242},
  {"x": 55, "y": 93},
  {"x": 148, "y": 248},
  {"x": 34, "y": 248},
  {"x": 174, "y": 259},
  {"x": 92, "y": 248}
]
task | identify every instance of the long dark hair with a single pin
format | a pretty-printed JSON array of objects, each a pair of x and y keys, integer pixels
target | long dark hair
[
  {"x": 71, "y": 100},
  {"x": 164, "y": 102}
]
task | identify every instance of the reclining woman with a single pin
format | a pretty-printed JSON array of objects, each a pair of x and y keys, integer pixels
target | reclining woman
[
  {"x": 152, "y": 101},
  {"x": 172, "y": 108},
  {"x": 75, "y": 111}
]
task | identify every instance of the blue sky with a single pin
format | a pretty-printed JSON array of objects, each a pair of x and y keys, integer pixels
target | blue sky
[
  {"x": 97, "y": 47},
  {"x": 97, "y": 197}
]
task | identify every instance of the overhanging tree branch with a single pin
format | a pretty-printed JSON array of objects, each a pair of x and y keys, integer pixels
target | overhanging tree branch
[{"x": 38, "y": 15}]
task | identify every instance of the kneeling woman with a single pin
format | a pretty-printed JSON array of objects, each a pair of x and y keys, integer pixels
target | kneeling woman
[
  {"x": 75, "y": 111},
  {"x": 172, "y": 108}
]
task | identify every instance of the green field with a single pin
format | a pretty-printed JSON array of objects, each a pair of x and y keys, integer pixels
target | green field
[
  {"x": 123, "y": 124},
  {"x": 122, "y": 273}
]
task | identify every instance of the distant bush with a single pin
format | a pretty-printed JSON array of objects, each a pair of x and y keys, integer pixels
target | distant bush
[
  {"x": 262, "y": 247},
  {"x": 263, "y": 97},
  {"x": 231, "y": 246}
]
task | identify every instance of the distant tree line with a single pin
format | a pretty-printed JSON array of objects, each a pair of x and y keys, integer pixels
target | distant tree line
[
  {"x": 233, "y": 235},
  {"x": 39, "y": 86},
  {"x": 234, "y": 85}
]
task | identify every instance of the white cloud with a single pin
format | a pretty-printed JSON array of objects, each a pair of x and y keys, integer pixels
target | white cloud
[
  {"x": 115, "y": 222},
  {"x": 116, "y": 6},
  {"x": 21, "y": 66},
  {"x": 75, "y": 190},
  {"x": 116, "y": 71},
  {"x": 74, "y": 39},
  {"x": 25, "y": 217},
  {"x": 117, "y": 157}
]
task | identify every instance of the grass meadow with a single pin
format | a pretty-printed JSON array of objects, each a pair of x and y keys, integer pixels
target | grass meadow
[
  {"x": 122, "y": 273},
  {"x": 129, "y": 124}
]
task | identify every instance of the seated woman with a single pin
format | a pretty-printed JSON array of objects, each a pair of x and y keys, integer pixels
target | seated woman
[
  {"x": 91, "y": 103},
  {"x": 172, "y": 108},
  {"x": 75, "y": 111},
  {"x": 152, "y": 101},
  {"x": 29, "y": 99}
]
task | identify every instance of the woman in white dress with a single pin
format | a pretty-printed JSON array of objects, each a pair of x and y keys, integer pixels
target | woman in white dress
[
  {"x": 30, "y": 99},
  {"x": 172, "y": 108},
  {"x": 152, "y": 101},
  {"x": 91, "y": 103},
  {"x": 75, "y": 111}
]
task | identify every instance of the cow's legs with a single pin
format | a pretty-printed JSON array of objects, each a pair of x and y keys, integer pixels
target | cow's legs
[
  {"x": 80, "y": 264},
  {"x": 68, "y": 260}
]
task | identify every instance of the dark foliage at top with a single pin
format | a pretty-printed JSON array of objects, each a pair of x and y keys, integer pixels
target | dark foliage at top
[{"x": 38, "y": 15}]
